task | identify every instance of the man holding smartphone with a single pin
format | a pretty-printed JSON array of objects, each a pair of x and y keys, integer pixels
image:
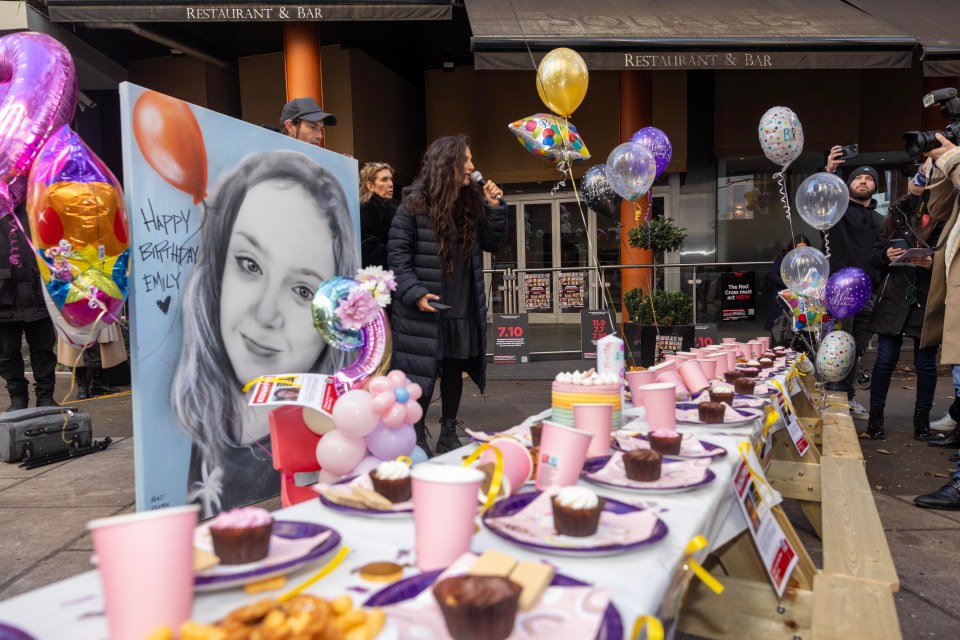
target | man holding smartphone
[{"x": 851, "y": 242}]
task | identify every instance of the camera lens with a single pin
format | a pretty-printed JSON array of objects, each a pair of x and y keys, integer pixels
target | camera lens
[{"x": 917, "y": 143}]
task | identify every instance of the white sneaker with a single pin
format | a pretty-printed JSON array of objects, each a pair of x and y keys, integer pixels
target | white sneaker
[
  {"x": 946, "y": 423},
  {"x": 857, "y": 410}
]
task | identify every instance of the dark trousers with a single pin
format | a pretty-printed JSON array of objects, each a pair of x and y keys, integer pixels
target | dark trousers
[
  {"x": 856, "y": 326},
  {"x": 41, "y": 340},
  {"x": 925, "y": 361}
]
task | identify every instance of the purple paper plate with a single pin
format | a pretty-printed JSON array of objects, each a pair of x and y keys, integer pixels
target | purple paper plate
[
  {"x": 9, "y": 632},
  {"x": 592, "y": 465},
  {"x": 408, "y": 588},
  {"x": 355, "y": 511},
  {"x": 284, "y": 529},
  {"x": 512, "y": 504},
  {"x": 710, "y": 450},
  {"x": 748, "y": 416}
]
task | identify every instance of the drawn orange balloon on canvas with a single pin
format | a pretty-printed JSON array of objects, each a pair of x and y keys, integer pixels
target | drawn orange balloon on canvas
[{"x": 169, "y": 138}]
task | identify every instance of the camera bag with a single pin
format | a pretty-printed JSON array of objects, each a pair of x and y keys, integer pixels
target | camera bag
[{"x": 42, "y": 431}]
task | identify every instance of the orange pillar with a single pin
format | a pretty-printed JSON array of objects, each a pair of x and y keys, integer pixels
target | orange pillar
[
  {"x": 636, "y": 112},
  {"x": 301, "y": 60}
]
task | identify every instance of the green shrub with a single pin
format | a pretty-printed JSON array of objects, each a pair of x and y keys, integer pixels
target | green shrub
[
  {"x": 672, "y": 307},
  {"x": 664, "y": 235}
]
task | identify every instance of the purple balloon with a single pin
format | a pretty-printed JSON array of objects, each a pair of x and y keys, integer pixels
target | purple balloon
[
  {"x": 847, "y": 291},
  {"x": 386, "y": 443},
  {"x": 659, "y": 145},
  {"x": 38, "y": 93}
]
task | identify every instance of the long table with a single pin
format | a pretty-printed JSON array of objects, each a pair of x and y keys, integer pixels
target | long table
[{"x": 638, "y": 579}]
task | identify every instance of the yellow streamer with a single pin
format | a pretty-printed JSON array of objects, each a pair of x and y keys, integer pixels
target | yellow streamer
[
  {"x": 653, "y": 625},
  {"x": 497, "y": 478},
  {"x": 786, "y": 396},
  {"x": 696, "y": 544},
  {"x": 405, "y": 459},
  {"x": 287, "y": 380},
  {"x": 744, "y": 448},
  {"x": 330, "y": 566}
]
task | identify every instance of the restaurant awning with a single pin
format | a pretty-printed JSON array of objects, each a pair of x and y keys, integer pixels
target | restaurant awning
[
  {"x": 687, "y": 34},
  {"x": 936, "y": 24},
  {"x": 201, "y": 11}
]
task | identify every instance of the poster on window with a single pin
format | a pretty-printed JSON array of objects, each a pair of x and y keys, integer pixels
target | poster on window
[
  {"x": 739, "y": 294},
  {"x": 571, "y": 290},
  {"x": 537, "y": 288},
  {"x": 233, "y": 229}
]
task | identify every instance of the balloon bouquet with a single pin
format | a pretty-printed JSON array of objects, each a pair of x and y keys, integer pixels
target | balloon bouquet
[
  {"x": 79, "y": 234},
  {"x": 815, "y": 297}
]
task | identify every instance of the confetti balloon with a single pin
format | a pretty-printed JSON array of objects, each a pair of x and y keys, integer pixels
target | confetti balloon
[
  {"x": 659, "y": 145},
  {"x": 836, "y": 356},
  {"x": 562, "y": 80},
  {"x": 550, "y": 138},
  {"x": 631, "y": 169},
  {"x": 847, "y": 291},
  {"x": 805, "y": 271},
  {"x": 822, "y": 200},
  {"x": 781, "y": 136},
  {"x": 598, "y": 194},
  {"x": 809, "y": 313}
]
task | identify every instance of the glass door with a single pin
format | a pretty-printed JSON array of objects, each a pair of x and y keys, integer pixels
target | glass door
[{"x": 536, "y": 282}]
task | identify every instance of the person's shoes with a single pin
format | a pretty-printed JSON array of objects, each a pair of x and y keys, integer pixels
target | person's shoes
[
  {"x": 952, "y": 439},
  {"x": 83, "y": 385},
  {"x": 946, "y": 423},
  {"x": 448, "y": 440},
  {"x": 875, "y": 425},
  {"x": 954, "y": 458},
  {"x": 921, "y": 424},
  {"x": 46, "y": 401},
  {"x": 18, "y": 402},
  {"x": 97, "y": 385},
  {"x": 422, "y": 441},
  {"x": 857, "y": 410},
  {"x": 946, "y": 498}
]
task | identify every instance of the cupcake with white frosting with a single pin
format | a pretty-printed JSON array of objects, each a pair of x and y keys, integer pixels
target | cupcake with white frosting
[
  {"x": 576, "y": 511},
  {"x": 391, "y": 479}
]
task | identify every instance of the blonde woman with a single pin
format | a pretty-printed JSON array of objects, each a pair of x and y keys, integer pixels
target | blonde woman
[{"x": 376, "y": 212}]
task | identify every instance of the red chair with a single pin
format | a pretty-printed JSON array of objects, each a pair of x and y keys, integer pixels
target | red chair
[{"x": 294, "y": 451}]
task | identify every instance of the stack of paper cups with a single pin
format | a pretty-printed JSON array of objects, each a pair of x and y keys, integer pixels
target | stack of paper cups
[{"x": 610, "y": 360}]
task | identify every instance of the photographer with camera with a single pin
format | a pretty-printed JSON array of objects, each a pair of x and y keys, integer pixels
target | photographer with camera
[{"x": 851, "y": 243}]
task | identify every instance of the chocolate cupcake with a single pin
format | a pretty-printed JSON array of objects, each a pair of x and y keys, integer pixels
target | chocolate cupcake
[
  {"x": 536, "y": 429},
  {"x": 576, "y": 511},
  {"x": 745, "y": 385},
  {"x": 478, "y": 607},
  {"x": 766, "y": 363},
  {"x": 642, "y": 465},
  {"x": 768, "y": 354},
  {"x": 722, "y": 393},
  {"x": 711, "y": 412},
  {"x": 241, "y": 535},
  {"x": 665, "y": 442},
  {"x": 730, "y": 376},
  {"x": 391, "y": 479},
  {"x": 750, "y": 372}
]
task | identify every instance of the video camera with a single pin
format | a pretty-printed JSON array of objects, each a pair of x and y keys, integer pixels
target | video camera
[{"x": 917, "y": 143}]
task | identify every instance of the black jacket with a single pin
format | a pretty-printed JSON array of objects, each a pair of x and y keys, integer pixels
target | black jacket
[
  {"x": 21, "y": 293},
  {"x": 415, "y": 260},
  {"x": 777, "y": 308},
  {"x": 375, "y": 217},
  {"x": 902, "y": 296},
  {"x": 852, "y": 239}
]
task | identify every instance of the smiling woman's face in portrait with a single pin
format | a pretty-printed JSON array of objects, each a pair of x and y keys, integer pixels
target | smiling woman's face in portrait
[{"x": 280, "y": 250}]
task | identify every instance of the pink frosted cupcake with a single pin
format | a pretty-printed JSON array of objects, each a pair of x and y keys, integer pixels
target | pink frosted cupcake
[
  {"x": 665, "y": 442},
  {"x": 242, "y": 535}
]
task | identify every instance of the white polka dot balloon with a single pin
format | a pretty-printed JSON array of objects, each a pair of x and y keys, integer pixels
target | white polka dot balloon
[
  {"x": 836, "y": 356},
  {"x": 781, "y": 136}
]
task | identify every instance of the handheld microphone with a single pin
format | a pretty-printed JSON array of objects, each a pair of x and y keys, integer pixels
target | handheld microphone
[{"x": 477, "y": 177}]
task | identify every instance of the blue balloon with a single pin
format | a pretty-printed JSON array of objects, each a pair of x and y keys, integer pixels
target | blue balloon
[{"x": 418, "y": 455}]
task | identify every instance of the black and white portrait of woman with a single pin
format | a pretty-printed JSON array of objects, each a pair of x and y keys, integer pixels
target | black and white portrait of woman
[{"x": 276, "y": 226}]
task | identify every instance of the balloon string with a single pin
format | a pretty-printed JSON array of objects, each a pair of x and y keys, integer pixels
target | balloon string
[
  {"x": 826, "y": 243},
  {"x": 785, "y": 199}
]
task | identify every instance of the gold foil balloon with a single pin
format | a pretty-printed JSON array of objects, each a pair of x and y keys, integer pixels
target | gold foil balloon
[{"x": 562, "y": 80}]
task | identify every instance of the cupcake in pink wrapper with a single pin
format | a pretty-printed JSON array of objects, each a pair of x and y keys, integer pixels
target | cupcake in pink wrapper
[{"x": 241, "y": 535}]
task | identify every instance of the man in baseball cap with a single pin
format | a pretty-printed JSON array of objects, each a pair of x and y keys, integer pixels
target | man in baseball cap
[{"x": 303, "y": 119}]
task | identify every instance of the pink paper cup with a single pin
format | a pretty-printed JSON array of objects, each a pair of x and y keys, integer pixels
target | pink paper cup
[
  {"x": 693, "y": 376},
  {"x": 765, "y": 341},
  {"x": 517, "y": 463},
  {"x": 563, "y": 450},
  {"x": 672, "y": 377},
  {"x": 636, "y": 379},
  {"x": 731, "y": 359},
  {"x": 597, "y": 420},
  {"x": 709, "y": 367},
  {"x": 721, "y": 359},
  {"x": 145, "y": 562},
  {"x": 444, "y": 508},
  {"x": 728, "y": 340},
  {"x": 755, "y": 348},
  {"x": 685, "y": 355},
  {"x": 670, "y": 365},
  {"x": 660, "y": 401}
]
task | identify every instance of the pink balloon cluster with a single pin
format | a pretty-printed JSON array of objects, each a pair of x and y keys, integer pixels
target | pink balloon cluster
[{"x": 378, "y": 421}]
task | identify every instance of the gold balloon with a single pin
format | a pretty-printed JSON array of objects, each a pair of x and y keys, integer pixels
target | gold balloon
[{"x": 562, "y": 80}]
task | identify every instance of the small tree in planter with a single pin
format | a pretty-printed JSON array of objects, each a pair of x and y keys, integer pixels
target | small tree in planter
[
  {"x": 659, "y": 234},
  {"x": 670, "y": 307},
  {"x": 667, "y": 326}
]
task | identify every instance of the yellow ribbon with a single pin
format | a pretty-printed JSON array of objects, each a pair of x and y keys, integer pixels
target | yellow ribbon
[
  {"x": 286, "y": 380},
  {"x": 744, "y": 449},
  {"x": 653, "y": 625},
  {"x": 405, "y": 459},
  {"x": 696, "y": 544},
  {"x": 786, "y": 397},
  {"x": 496, "y": 480},
  {"x": 330, "y": 566}
]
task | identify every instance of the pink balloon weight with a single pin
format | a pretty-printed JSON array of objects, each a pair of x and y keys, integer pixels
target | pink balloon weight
[
  {"x": 414, "y": 412},
  {"x": 387, "y": 444},
  {"x": 383, "y": 401},
  {"x": 339, "y": 454},
  {"x": 397, "y": 377},
  {"x": 379, "y": 384},
  {"x": 366, "y": 465},
  {"x": 395, "y": 416},
  {"x": 354, "y": 415}
]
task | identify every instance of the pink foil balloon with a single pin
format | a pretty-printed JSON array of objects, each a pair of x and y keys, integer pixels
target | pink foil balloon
[
  {"x": 38, "y": 94},
  {"x": 373, "y": 356}
]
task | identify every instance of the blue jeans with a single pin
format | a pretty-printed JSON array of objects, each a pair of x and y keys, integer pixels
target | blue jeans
[{"x": 925, "y": 361}]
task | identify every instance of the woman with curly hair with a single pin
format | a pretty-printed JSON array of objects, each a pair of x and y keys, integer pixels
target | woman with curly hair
[
  {"x": 278, "y": 226},
  {"x": 435, "y": 250}
]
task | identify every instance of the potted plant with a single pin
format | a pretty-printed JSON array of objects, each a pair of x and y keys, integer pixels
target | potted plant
[
  {"x": 660, "y": 322},
  {"x": 659, "y": 234}
]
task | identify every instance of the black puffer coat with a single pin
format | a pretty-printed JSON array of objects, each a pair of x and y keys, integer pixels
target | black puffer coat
[
  {"x": 414, "y": 257},
  {"x": 902, "y": 296},
  {"x": 21, "y": 295},
  {"x": 375, "y": 217}
]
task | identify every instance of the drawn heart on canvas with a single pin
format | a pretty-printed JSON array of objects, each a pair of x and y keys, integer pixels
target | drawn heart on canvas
[{"x": 164, "y": 305}]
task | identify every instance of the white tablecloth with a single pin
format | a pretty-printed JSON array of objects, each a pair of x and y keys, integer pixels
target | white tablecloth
[{"x": 73, "y": 608}]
